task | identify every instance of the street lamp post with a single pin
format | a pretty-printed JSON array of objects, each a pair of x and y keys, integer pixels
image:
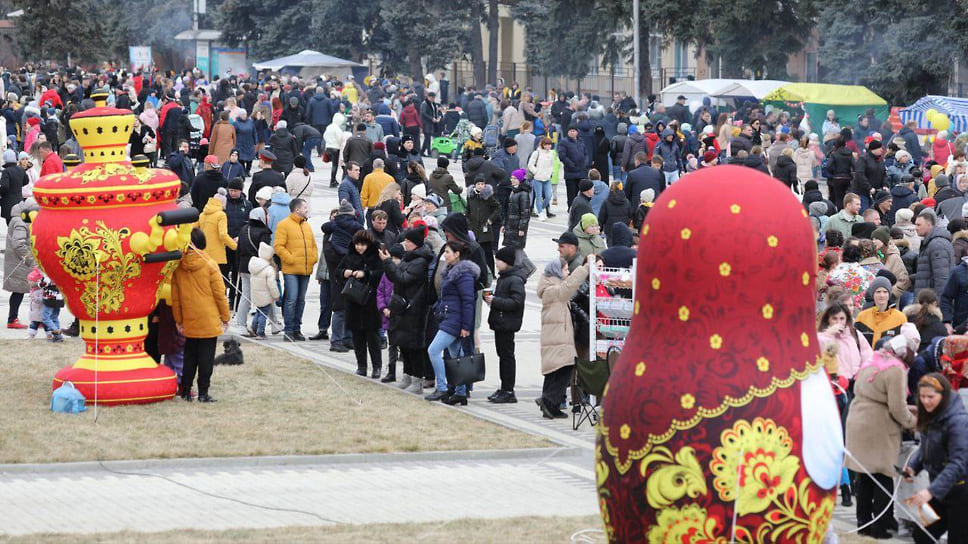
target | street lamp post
[{"x": 635, "y": 55}]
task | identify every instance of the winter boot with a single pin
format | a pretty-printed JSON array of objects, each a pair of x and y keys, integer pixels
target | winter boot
[
  {"x": 416, "y": 386},
  {"x": 376, "y": 371},
  {"x": 361, "y": 368},
  {"x": 405, "y": 381},
  {"x": 391, "y": 365},
  {"x": 845, "y": 499}
]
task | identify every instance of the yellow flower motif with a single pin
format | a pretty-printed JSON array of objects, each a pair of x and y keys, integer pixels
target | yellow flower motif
[
  {"x": 805, "y": 340},
  {"x": 820, "y": 519},
  {"x": 624, "y": 432},
  {"x": 672, "y": 203},
  {"x": 65, "y": 200},
  {"x": 687, "y": 401},
  {"x": 767, "y": 311},
  {"x": 725, "y": 269},
  {"x": 678, "y": 476},
  {"x": 735, "y": 209},
  {"x": 690, "y": 524},
  {"x": 645, "y": 230},
  {"x": 715, "y": 341},
  {"x": 683, "y": 313},
  {"x": 119, "y": 197},
  {"x": 79, "y": 253},
  {"x": 636, "y": 307},
  {"x": 640, "y": 368},
  {"x": 763, "y": 364},
  {"x": 685, "y": 233},
  {"x": 656, "y": 283},
  {"x": 772, "y": 241},
  {"x": 91, "y": 199},
  {"x": 759, "y": 455},
  {"x": 806, "y": 279}
]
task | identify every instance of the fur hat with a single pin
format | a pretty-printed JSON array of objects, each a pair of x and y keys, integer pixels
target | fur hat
[
  {"x": 221, "y": 196},
  {"x": 647, "y": 196}
]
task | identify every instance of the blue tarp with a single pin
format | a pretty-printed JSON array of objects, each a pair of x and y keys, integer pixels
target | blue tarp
[{"x": 955, "y": 108}]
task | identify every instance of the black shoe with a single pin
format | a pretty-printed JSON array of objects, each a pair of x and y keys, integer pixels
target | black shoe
[
  {"x": 298, "y": 336},
  {"x": 361, "y": 372},
  {"x": 534, "y": 214},
  {"x": 547, "y": 413},
  {"x": 73, "y": 330},
  {"x": 558, "y": 414},
  {"x": 845, "y": 499},
  {"x": 289, "y": 338},
  {"x": 495, "y": 394},
  {"x": 338, "y": 348},
  {"x": 549, "y": 214},
  {"x": 185, "y": 394},
  {"x": 321, "y": 335},
  {"x": 333, "y": 185},
  {"x": 506, "y": 397},
  {"x": 376, "y": 373},
  {"x": 389, "y": 378},
  {"x": 437, "y": 395},
  {"x": 454, "y": 400},
  {"x": 205, "y": 398}
]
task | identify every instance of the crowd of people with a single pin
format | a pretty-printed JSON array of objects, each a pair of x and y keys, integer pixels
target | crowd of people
[{"x": 408, "y": 259}]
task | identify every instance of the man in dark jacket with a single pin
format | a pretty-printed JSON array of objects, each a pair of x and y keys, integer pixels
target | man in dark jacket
[
  {"x": 293, "y": 113},
  {"x": 207, "y": 183},
  {"x": 615, "y": 148},
  {"x": 284, "y": 145},
  {"x": 477, "y": 165},
  {"x": 744, "y": 141},
  {"x": 307, "y": 139},
  {"x": 12, "y": 182},
  {"x": 181, "y": 164},
  {"x": 954, "y": 298},
  {"x": 430, "y": 118},
  {"x": 902, "y": 195},
  {"x": 869, "y": 174},
  {"x": 266, "y": 177},
  {"x": 477, "y": 112},
  {"x": 911, "y": 143},
  {"x": 582, "y": 203},
  {"x": 358, "y": 148},
  {"x": 937, "y": 256},
  {"x": 644, "y": 177},
  {"x": 620, "y": 253},
  {"x": 679, "y": 111},
  {"x": 505, "y": 317},
  {"x": 237, "y": 210},
  {"x": 573, "y": 156},
  {"x": 320, "y": 110}
]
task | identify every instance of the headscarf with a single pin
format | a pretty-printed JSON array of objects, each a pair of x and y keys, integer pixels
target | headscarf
[{"x": 553, "y": 269}]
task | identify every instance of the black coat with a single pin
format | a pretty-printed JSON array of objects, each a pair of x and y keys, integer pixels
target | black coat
[
  {"x": 615, "y": 209},
  {"x": 943, "y": 451},
  {"x": 507, "y": 306},
  {"x": 579, "y": 207},
  {"x": 600, "y": 158},
  {"x": 483, "y": 213},
  {"x": 786, "y": 171},
  {"x": 477, "y": 113},
  {"x": 519, "y": 215},
  {"x": 365, "y": 316},
  {"x": 12, "y": 182},
  {"x": 410, "y": 284},
  {"x": 205, "y": 186},
  {"x": 642, "y": 178},
  {"x": 284, "y": 146},
  {"x": 236, "y": 214},
  {"x": 492, "y": 172},
  {"x": 264, "y": 178},
  {"x": 250, "y": 236},
  {"x": 841, "y": 163},
  {"x": 868, "y": 173},
  {"x": 756, "y": 163}
]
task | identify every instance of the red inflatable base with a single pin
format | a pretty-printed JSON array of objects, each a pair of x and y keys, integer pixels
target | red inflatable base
[{"x": 141, "y": 386}]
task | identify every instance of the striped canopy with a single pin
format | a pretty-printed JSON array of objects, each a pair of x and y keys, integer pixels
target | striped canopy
[{"x": 955, "y": 108}]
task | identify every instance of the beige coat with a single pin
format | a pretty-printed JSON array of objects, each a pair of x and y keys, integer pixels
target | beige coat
[
  {"x": 557, "y": 333},
  {"x": 893, "y": 262},
  {"x": 876, "y": 417},
  {"x": 222, "y": 141}
]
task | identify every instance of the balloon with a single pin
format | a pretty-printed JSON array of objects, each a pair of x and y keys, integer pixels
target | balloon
[
  {"x": 941, "y": 122},
  {"x": 929, "y": 115},
  {"x": 930, "y": 139}
]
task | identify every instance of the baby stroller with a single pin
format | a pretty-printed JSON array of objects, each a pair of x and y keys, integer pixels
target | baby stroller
[
  {"x": 195, "y": 134},
  {"x": 491, "y": 139},
  {"x": 591, "y": 377}
]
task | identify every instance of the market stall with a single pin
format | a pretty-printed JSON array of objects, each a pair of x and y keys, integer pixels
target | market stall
[
  {"x": 309, "y": 63},
  {"x": 694, "y": 91},
  {"x": 956, "y": 110},
  {"x": 847, "y": 101}
]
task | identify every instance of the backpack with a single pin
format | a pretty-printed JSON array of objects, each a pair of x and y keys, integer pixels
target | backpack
[
  {"x": 66, "y": 399},
  {"x": 825, "y": 167}
]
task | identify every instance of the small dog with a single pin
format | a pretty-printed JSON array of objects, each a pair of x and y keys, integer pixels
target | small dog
[{"x": 233, "y": 353}]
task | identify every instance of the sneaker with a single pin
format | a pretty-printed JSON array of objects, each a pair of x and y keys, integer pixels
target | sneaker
[
  {"x": 16, "y": 324},
  {"x": 298, "y": 336},
  {"x": 57, "y": 338},
  {"x": 495, "y": 394},
  {"x": 32, "y": 333},
  {"x": 543, "y": 216},
  {"x": 506, "y": 397}
]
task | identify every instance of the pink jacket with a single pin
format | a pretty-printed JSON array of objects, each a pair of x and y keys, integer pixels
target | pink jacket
[{"x": 850, "y": 354}]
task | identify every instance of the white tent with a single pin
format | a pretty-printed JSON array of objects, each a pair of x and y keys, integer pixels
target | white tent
[
  {"x": 308, "y": 63},
  {"x": 694, "y": 91},
  {"x": 749, "y": 88}
]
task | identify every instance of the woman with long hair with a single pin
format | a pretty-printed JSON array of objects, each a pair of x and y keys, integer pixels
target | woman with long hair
[
  {"x": 836, "y": 326},
  {"x": 391, "y": 201},
  {"x": 943, "y": 452},
  {"x": 362, "y": 263}
]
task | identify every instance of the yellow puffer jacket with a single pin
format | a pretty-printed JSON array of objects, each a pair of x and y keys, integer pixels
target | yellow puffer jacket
[
  {"x": 215, "y": 226},
  {"x": 296, "y": 246},
  {"x": 198, "y": 296}
]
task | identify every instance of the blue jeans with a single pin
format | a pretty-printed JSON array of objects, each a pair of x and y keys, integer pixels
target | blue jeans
[
  {"x": 51, "y": 317},
  {"x": 295, "y": 293},
  {"x": 542, "y": 194},
  {"x": 259, "y": 321},
  {"x": 341, "y": 335},
  {"x": 671, "y": 177},
  {"x": 325, "y": 305},
  {"x": 441, "y": 342},
  {"x": 617, "y": 173},
  {"x": 307, "y": 151}
]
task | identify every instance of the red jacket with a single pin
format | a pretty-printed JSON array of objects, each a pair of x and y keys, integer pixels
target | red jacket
[
  {"x": 651, "y": 138},
  {"x": 55, "y": 99},
  {"x": 409, "y": 117},
  {"x": 52, "y": 165},
  {"x": 164, "y": 111}
]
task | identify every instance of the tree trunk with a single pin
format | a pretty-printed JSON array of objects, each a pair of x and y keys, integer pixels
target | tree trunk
[
  {"x": 477, "y": 45},
  {"x": 645, "y": 63},
  {"x": 414, "y": 65},
  {"x": 493, "y": 26}
]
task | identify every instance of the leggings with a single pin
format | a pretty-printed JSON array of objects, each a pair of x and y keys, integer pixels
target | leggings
[
  {"x": 15, "y": 300},
  {"x": 413, "y": 362}
]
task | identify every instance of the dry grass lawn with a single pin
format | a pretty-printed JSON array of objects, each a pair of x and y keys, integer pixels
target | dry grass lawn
[
  {"x": 501, "y": 531},
  {"x": 275, "y": 404}
]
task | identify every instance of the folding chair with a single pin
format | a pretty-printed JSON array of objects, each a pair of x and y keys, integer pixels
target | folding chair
[{"x": 590, "y": 380}]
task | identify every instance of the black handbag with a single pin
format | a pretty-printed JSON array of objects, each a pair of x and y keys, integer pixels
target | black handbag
[
  {"x": 356, "y": 291},
  {"x": 466, "y": 369}
]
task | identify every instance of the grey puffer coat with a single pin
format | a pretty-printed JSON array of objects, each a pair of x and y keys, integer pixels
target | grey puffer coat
[{"x": 19, "y": 260}]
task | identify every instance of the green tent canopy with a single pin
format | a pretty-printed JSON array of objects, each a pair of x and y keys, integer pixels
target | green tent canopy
[{"x": 847, "y": 101}]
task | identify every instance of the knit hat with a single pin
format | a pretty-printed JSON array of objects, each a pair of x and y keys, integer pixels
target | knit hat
[
  {"x": 874, "y": 144},
  {"x": 237, "y": 184},
  {"x": 585, "y": 185},
  {"x": 23, "y": 155},
  {"x": 379, "y": 145},
  {"x": 941, "y": 181},
  {"x": 929, "y": 202},
  {"x": 519, "y": 174},
  {"x": 882, "y": 196},
  {"x": 282, "y": 123},
  {"x": 709, "y": 157},
  {"x": 35, "y": 275},
  {"x": 434, "y": 198},
  {"x": 258, "y": 214},
  {"x": 509, "y": 143},
  {"x": 345, "y": 208},
  {"x": 265, "y": 193},
  {"x": 878, "y": 282},
  {"x": 647, "y": 196},
  {"x": 415, "y": 236},
  {"x": 882, "y": 233},
  {"x": 862, "y": 230},
  {"x": 397, "y": 251},
  {"x": 442, "y": 162},
  {"x": 818, "y": 208},
  {"x": 9, "y": 156},
  {"x": 506, "y": 254},
  {"x": 588, "y": 220},
  {"x": 903, "y": 216},
  {"x": 221, "y": 196},
  {"x": 418, "y": 192}
]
